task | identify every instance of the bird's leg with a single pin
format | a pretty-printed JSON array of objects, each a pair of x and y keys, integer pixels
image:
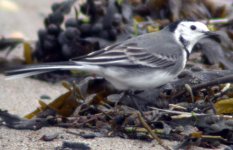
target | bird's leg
[{"x": 132, "y": 95}]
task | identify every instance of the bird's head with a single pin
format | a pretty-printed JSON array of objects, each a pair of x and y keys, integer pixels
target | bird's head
[{"x": 188, "y": 33}]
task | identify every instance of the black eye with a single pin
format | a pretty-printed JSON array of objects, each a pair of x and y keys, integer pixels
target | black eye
[{"x": 192, "y": 27}]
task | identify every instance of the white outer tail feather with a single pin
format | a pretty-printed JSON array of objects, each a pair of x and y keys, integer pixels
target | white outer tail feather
[
  {"x": 23, "y": 75},
  {"x": 44, "y": 68}
]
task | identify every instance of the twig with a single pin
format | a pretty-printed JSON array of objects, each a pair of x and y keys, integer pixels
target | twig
[
  {"x": 77, "y": 91},
  {"x": 189, "y": 89},
  {"x": 77, "y": 124},
  {"x": 221, "y": 93},
  {"x": 190, "y": 114},
  {"x": 72, "y": 132},
  {"x": 217, "y": 95},
  {"x": 138, "y": 129},
  {"x": 217, "y": 21},
  {"x": 221, "y": 80},
  {"x": 174, "y": 106},
  {"x": 213, "y": 137},
  {"x": 151, "y": 132}
]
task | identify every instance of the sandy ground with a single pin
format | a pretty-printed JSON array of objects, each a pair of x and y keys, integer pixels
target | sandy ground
[
  {"x": 20, "y": 96},
  {"x": 31, "y": 140},
  {"x": 23, "y": 16}
]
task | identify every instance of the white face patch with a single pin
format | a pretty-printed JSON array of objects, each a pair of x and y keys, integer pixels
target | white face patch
[{"x": 191, "y": 32}]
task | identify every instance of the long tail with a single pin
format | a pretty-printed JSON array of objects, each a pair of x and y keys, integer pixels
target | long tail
[{"x": 30, "y": 70}]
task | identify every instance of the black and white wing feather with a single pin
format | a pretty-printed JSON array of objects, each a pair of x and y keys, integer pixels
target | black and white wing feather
[{"x": 127, "y": 56}]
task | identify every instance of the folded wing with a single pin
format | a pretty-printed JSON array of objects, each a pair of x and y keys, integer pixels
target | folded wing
[{"x": 128, "y": 56}]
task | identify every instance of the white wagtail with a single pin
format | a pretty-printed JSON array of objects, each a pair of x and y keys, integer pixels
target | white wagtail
[{"x": 146, "y": 61}]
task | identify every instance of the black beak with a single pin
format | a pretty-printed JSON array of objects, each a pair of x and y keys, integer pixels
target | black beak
[{"x": 214, "y": 36}]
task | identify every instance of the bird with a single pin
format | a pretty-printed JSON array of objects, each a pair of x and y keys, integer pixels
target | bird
[{"x": 142, "y": 62}]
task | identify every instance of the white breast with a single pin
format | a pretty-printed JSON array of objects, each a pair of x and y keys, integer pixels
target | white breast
[{"x": 185, "y": 60}]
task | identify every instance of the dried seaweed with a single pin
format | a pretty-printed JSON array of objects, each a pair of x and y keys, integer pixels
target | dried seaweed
[
  {"x": 195, "y": 109},
  {"x": 97, "y": 109}
]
